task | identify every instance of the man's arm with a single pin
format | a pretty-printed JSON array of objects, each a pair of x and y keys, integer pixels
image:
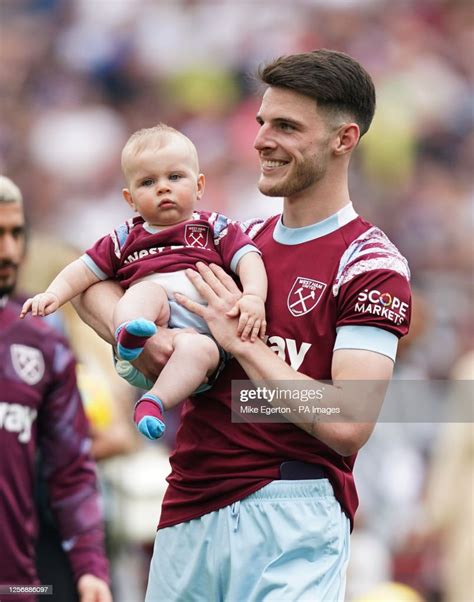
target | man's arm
[
  {"x": 360, "y": 377},
  {"x": 358, "y": 403},
  {"x": 71, "y": 478},
  {"x": 95, "y": 308}
]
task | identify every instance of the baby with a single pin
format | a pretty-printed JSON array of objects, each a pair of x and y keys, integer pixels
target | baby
[{"x": 149, "y": 255}]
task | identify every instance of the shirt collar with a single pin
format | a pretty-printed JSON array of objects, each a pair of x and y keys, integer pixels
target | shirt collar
[{"x": 296, "y": 236}]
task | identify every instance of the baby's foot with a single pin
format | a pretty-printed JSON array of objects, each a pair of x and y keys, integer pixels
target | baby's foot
[
  {"x": 148, "y": 416},
  {"x": 132, "y": 336}
]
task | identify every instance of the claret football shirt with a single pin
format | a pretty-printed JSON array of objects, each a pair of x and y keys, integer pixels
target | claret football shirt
[{"x": 337, "y": 284}]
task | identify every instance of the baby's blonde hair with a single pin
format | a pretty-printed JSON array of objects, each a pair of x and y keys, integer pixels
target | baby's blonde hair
[
  {"x": 9, "y": 191},
  {"x": 153, "y": 137}
]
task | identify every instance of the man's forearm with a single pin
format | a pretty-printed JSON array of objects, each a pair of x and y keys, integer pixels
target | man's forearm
[
  {"x": 357, "y": 401},
  {"x": 95, "y": 308}
]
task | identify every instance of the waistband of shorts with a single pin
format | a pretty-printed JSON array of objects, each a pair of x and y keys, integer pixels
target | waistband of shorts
[{"x": 278, "y": 490}]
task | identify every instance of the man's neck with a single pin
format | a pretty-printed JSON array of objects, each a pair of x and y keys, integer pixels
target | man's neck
[{"x": 317, "y": 203}]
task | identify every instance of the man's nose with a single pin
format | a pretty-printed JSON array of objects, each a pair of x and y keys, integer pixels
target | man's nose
[
  {"x": 264, "y": 139},
  {"x": 8, "y": 247}
]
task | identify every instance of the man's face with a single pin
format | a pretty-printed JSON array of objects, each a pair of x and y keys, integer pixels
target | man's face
[
  {"x": 292, "y": 143},
  {"x": 12, "y": 244}
]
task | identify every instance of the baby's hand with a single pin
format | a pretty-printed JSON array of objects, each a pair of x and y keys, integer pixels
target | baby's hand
[
  {"x": 252, "y": 317},
  {"x": 42, "y": 304}
]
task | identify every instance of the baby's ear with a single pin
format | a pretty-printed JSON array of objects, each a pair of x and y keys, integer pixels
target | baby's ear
[
  {"x": 128, "y": 197},
  {"x": 201, "y": 183}
]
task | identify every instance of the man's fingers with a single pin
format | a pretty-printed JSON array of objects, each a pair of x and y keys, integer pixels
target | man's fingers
[
  {"x": 196, "y": 308},
  {"x": 234, "y": 312},
  {"x": 211, "y": 279},
  {"x": 202, "y": 285},
  {"x": 225, "y": 279},
  {"x": 216, "y": 279}
]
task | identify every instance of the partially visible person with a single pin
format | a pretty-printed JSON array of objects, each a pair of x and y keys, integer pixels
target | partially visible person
[
  {"x": 107, "y": 400},
  {"x": 149, "y": 254},
  {"x": 391, "y": 592},
  {"x": 448, "y": 510},
  {"x": 41, "y": 410}
]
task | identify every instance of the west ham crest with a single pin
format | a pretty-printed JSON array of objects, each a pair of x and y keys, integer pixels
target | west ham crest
[
  {"x": 304, "y": 295},
  {"x": 196, "y": 235},
  {"x": 28, "y": 363}
]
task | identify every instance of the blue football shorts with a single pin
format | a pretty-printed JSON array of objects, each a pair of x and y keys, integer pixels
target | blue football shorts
[{"x": 287, "y": 542}]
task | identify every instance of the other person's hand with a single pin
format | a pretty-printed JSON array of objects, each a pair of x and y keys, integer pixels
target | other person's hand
[{"x": 93, "y": 589}]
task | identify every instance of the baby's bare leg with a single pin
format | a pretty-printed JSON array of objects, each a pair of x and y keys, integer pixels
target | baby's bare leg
[
  {"x": 143, "y": 300},
  {"x": 142, "y": 306},
  {"x": 195, "y": 357}
]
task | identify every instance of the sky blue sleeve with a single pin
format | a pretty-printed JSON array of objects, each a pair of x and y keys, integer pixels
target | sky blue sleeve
[
  {"x": 93, "y": 267},
  {"x": 240, "y": 253},
  {"x": 369, "y": 338}
]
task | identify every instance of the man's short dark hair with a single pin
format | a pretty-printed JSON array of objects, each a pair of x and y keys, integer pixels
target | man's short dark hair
[{"x": 336, "y": 81}]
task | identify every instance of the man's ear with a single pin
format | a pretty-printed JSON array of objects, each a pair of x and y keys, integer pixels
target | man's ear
[
  {"x": 347, "y": 138},
  {"x": 201, "y": 183},
  {"x": 128, "y": 197}
]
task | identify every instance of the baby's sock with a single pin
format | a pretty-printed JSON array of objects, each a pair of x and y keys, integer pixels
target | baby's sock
[
  {"x": 148, "y": 416},
  {"x": 131, "y": 337}
]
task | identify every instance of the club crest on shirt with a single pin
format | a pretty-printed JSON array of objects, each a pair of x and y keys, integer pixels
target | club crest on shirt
[
  {"x": 304, "y": 295},
  {"x": 196, "y": 235},
  {"x": 28, "y": 363}
]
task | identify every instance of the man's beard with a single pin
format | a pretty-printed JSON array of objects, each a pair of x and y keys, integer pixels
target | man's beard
[
  {"x": 6, "y": 290},
  {"x": 305, "y": 175},
  {"x": 7, "y": 286}
]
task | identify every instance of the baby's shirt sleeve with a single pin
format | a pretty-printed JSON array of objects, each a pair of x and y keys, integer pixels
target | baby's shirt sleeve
[
  {"x": 231, "y": 242},
  {"x": 102, "y": 258}
]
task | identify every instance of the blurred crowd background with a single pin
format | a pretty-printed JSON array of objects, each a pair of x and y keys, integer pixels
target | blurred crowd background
[{"x": 79, "y": 76}]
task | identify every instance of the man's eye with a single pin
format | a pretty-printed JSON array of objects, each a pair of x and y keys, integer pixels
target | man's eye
[
  {"x": 18, "y": 232},
  {"x": 287, "y": 127}
]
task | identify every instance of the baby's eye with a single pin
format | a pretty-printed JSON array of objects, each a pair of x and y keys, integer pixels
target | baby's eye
[
  {"x": 148, "y": 182},
  {"x": 174, "y": 177}
]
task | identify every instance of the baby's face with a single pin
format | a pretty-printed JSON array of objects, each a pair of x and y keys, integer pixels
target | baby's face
[{"x": 164, "y": 182}]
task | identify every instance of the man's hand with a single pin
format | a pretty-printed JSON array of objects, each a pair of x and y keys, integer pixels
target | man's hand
[
  {"x": 221, "y": 293},
  {"x": 93, "y": 589},
  {"x": 41, "y": 304},
  {"x": 157, "y": 351}
]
